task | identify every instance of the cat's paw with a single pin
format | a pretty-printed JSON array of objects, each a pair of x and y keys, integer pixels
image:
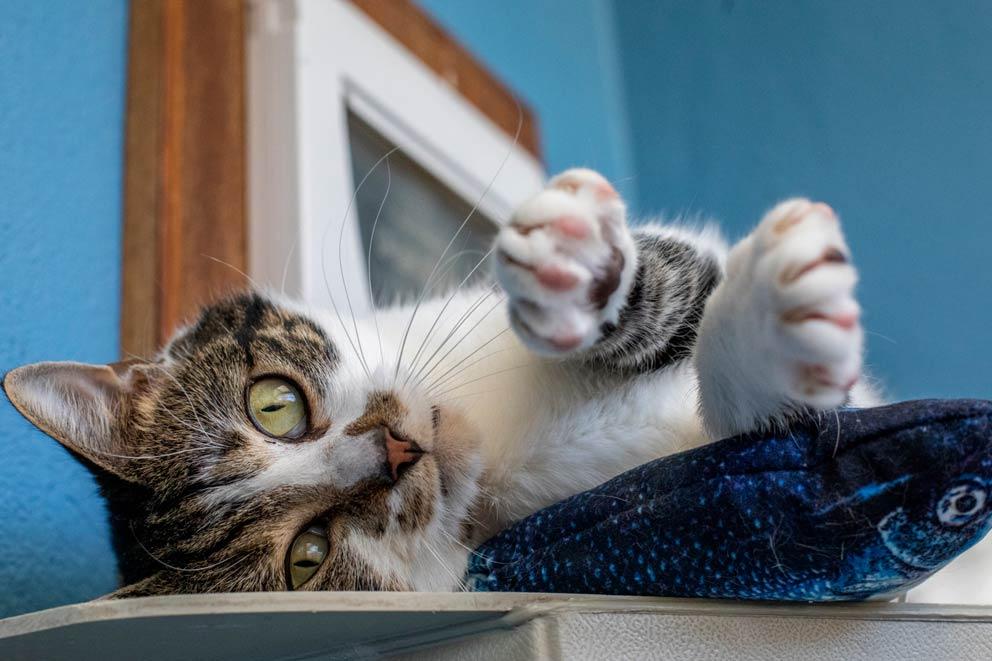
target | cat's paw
[
  {"x": 567, "y": 262},
  {"x": 790, "y": 287}
]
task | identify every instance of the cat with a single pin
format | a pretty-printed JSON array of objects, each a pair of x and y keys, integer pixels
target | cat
[{"x": 273, "y": 447}]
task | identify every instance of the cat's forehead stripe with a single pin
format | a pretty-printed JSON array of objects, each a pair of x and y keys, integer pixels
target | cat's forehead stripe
[
  {"x": 260, "y": 330},
  {"x": 253, "y": 318}
]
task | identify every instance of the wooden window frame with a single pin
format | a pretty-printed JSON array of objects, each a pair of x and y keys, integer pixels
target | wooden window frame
[
  {"x": 185, "y": 235},
  {"x": 187, "y": 194}
]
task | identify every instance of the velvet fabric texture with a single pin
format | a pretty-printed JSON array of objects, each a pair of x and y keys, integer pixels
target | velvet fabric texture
[{"x": 855, "y": 504}]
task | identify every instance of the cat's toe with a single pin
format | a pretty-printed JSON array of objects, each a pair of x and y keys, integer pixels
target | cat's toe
[
  {"x": 552, "y": 331},
  {"x": 807, "y": 266},
  {"x": 826, "y": 385},
  {"x": 534, "y": 262},
  {"x": 580, "y": 181},
  {"x": 565, "y": 262}
]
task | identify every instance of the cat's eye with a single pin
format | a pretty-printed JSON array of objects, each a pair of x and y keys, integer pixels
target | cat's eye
[
  {"x": 308, "y": 552},
  {"x": 277, "y": 408}
]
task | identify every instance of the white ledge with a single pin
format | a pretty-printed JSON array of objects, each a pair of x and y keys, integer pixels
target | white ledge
[{"x": 466, "y": 625}]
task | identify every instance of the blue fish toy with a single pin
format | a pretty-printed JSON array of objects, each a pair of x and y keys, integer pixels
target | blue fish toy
[{"x": 857, "y": 504}]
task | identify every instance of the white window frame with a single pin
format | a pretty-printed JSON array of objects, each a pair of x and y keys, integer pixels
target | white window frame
[{"x": 309, "y": 63}]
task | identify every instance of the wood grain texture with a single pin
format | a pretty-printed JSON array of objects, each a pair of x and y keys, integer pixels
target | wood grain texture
[
  {"x": 142, "y": 146},
  {"x": 185, "y": 227},
  {"x": 185, "y": 211},
  {"x": 441, "y": 52}
]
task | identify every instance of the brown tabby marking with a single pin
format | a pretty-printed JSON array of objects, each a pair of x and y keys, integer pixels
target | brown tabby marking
[{"x": 181, "y": 446}]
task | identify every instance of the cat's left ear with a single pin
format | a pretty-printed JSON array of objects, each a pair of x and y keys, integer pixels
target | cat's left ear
[{"x": 79, "y": 405}]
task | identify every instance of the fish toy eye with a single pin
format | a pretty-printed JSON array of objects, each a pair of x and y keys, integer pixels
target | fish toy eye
[{"x": 961, "y": 503}]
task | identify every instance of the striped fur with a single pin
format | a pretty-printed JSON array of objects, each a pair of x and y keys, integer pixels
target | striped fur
[{"x": 658, "y": 324}]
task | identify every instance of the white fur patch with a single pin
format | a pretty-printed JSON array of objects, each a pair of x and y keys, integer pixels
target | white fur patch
[
  {"x": 334, "y": 462},
  {"x": 548, "y": 429}
]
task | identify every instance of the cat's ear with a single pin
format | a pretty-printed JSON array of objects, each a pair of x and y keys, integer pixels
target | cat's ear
[{"x": 78, "y": 405}]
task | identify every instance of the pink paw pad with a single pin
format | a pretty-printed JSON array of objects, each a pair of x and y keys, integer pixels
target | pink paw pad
[
  {"x": 819, "y": 375},
  {"x": 556, "y": 278},
  {"x": 572, "y": 227},
  {"x": 565, "y": 343},
  {"x": 824, "y": 209},
  {"x": 847, "y": 321},
  {"x": 606, "y": 191},
  {"x": 600, "y": 186},
  {"x": 830, "y": 256}
]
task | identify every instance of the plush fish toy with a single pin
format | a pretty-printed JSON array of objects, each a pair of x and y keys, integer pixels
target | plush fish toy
[{"x": 856, "y": 504}]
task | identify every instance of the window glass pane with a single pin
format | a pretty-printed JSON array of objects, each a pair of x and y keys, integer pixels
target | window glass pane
[{"x": 418, "y": 217}]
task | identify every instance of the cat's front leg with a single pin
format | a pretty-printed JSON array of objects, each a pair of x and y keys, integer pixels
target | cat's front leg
[
  {"x": 781, "y": 334},
  {"x": 567, "y": 263}
]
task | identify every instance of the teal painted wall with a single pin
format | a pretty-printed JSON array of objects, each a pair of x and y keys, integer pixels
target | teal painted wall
[
  {"x": 62, "y": 72},
  {"x": 882, "y": 108}
]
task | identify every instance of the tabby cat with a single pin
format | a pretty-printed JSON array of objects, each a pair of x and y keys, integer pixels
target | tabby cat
[{"x": 273, "y": 447}]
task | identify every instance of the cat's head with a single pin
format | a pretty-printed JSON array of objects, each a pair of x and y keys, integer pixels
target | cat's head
[{"x": 256, "y": 453}]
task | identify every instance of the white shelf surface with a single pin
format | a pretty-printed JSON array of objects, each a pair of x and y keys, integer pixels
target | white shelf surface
[{"x": 499, "y": 626}]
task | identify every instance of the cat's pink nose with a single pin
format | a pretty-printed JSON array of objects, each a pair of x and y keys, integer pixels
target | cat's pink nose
[{"x": 401, "y": 454}]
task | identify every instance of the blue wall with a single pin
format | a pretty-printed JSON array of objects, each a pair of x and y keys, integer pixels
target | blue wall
[
  {"x": 62, "y": 72},
  {"x": 883, "y": 109}
]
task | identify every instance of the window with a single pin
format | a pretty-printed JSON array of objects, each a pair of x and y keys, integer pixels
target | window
[
  {"x": 408, "y": 218},
  {"x": 330, "y": 92}
]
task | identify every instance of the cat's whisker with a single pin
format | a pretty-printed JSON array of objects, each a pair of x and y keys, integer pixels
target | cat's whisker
[
  {"x": 344, "y": 280},
  {"x": 494, "y": 502},
  {"x": 199, "y": 423},
  {"x": 441, "y": 378},
  {"x": 458, "y": 324},
  {"x": 368, "y": 259},
  {"x": 440, "y": 314},
  {"x": 233, "y": 268},
  {"x": 454, "y": 540},
  {"x": 189, "y": 400},
  {"x": 450, "y": 262},
  {"x": 468, "y": 333},
  {"x": 223, "y": 578},
  {"x": 285, "y": 266},
  {"x": 146, "y": 457},
  {"x": 476, "y": 393},
  {"x": 198, "y": 429},
  {"x": 165, "y": 564},
  {"x": 485, "y": 376},
  {"x": 441, "y": 563},
  {"x": 480, "y": 358},
  {"x": 207, "y": 437},
  {"x": 323, "y": 260},
  {"x": 884, "y": 337},
  {"x": 138, "y": 357},
  {"x": 486, "y": 292},
  {"x": 420, "y": 299},
  {"x": 471, "y": 519},
  {"x": 459, "y": 368}
]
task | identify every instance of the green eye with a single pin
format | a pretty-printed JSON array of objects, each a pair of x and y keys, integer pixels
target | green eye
[
  {"x": 277, "y": 408},
  {"x": 307, "y": 553}
]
